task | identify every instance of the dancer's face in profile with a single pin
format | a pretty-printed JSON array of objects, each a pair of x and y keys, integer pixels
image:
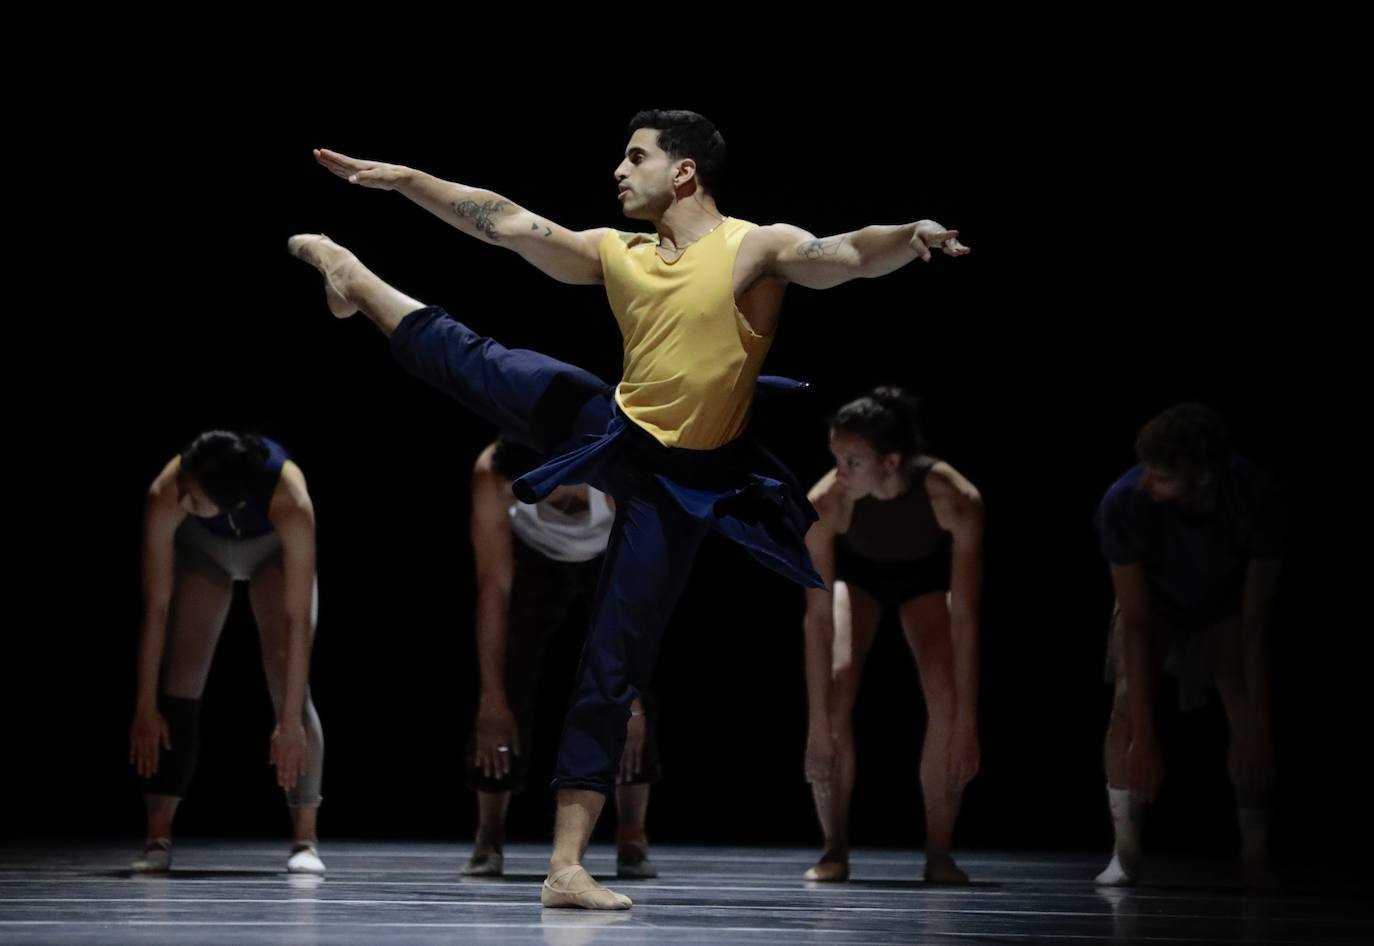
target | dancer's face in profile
[
  {"x": 859, "y": 468},
  {"x": 192, "y": 498},
  {"x": 645, "y": 177}
]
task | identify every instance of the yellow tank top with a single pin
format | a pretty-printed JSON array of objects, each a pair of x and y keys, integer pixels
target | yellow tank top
[{"x": 691, "y": 359}]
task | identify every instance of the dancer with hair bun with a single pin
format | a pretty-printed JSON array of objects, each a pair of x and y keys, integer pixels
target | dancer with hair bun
[{"x": 899, "y": 530}]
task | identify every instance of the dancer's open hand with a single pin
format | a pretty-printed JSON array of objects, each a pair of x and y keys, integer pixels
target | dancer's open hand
[
  {"x": 288, "y": 754},
  {"x": 632, "y": 759},
  {"x": 148, "y": 732},
  {"x": 366, "y": 173},
  {"x": 820, "y": 757},
  {"x": 497, "y": 738},
  {"x": 1144, "y": 766},
  {"x": 963, "y": 757}
]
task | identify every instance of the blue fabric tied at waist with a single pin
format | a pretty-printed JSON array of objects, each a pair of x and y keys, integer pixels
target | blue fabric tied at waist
[{"x": 739, "y": 490}]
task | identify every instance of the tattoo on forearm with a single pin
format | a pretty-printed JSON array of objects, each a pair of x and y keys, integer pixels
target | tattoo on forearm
[
  {"x": 816, "y": 249},
  {"x": 483, "y": 215},
  {"x": 536, "y": 225}
]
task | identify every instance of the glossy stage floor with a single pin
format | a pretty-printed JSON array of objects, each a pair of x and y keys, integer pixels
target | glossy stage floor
[{"x": 237, "y": 893}]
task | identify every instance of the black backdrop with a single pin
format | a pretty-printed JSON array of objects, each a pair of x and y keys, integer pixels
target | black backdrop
[{"x": 1149, "y": 229}]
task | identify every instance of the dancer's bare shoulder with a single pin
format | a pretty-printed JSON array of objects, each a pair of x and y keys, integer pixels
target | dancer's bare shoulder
[{"x": 833, "y": 504}]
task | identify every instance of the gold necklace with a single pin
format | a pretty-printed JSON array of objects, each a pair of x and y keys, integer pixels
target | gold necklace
[{"x": 680, "y": 248}]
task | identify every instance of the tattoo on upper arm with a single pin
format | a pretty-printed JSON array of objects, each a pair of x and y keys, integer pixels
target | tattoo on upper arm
[
  {"x": 483, "y": 215},
  {"x": 816, "y": 249},
  {"x": 536, "y": 225}
]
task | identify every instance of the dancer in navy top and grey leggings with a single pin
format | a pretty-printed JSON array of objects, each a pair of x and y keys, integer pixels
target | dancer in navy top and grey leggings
[{"x": 229, "y": 508}]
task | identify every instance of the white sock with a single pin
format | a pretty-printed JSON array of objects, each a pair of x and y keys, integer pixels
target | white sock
[{"x": 1127, "y": 813}]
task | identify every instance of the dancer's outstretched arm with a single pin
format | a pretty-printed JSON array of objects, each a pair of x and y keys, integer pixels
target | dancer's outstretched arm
[
  {"x": 791, "y": 254},
  {"x": 570, "y": 256}
]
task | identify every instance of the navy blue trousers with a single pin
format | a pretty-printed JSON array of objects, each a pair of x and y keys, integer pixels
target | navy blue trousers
[{"x": 666, "y": 501}]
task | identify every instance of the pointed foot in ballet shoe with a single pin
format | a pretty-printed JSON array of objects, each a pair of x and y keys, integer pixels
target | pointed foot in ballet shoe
[
  {"x": 574, "y": 887},
  {"x": 485, "y": 864},
  {"x": 332, "y": 261},
  {"x": 943, "y": 871},
  {"x": 828, "y": 872},
  {"x": 1120, "y": 872}
]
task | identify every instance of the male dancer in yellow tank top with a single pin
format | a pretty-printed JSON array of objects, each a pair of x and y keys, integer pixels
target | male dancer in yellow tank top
[{"x": 698, "y": 304}]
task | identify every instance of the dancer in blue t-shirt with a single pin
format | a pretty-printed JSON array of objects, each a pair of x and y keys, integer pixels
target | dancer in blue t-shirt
[{"x": 1192, "y": 537}]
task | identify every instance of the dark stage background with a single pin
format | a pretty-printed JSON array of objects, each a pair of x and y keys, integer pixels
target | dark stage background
[{"x": 1141, "y": 236}]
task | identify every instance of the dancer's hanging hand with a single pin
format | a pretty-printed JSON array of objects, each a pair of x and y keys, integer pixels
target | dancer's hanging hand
[
  {"x": 820, "y": 757},
  {"x": 497, "y": 738},
  {"x": 964, "y": 756},
  {"x": 148, "y": 732},
  {"x": 287, "y": 753},
  {"x": 632, "y": 759},
  {"x": 1144, "y": 766}
]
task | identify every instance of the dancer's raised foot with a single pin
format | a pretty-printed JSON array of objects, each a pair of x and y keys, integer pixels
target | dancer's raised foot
[{"x": 334, "y": 262}]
